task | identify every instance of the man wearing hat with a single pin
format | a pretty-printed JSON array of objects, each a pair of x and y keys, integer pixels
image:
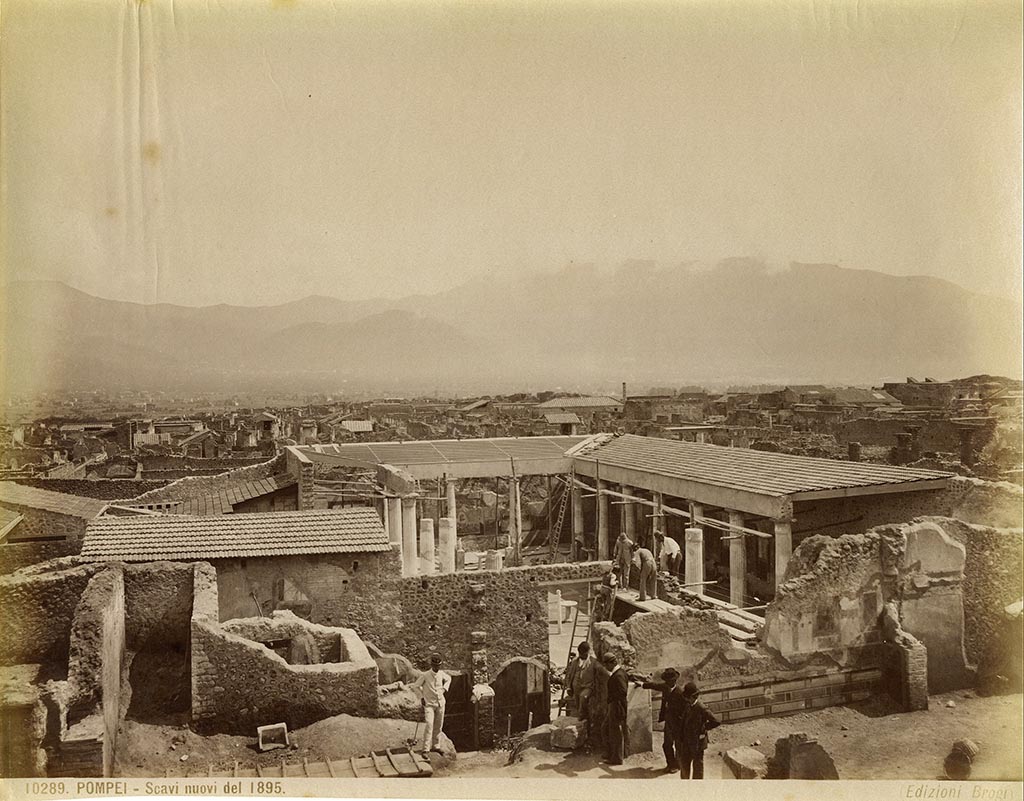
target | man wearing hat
[
  {"x": 615, "y": 717},
  {"x": 606, "y": 600},
  {"x": 694, "y": 722},
  {"x": 667, "y": 686},
  {"x": 431, "y": 686},
  {"x": 579, "y": 683}
]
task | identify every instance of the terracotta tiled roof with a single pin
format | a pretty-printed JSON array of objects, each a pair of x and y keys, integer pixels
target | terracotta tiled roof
[
  {"x": 759, "y": 472},
  {"x": 58, "y": 502},
  {"x": 148, "y": 538},
  {"x": 218, "y": 503},
  {"x": 562, "y": 418}
]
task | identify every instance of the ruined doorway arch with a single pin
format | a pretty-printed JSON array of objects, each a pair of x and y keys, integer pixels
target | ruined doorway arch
[{"x": 522, "y": 695}]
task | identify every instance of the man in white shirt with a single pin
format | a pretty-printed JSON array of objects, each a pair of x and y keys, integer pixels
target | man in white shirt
[
  {"x": 431, "y": 686},
  {"x": 671, "y": 553}
]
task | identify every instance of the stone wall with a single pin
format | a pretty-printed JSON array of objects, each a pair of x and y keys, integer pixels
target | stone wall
[
  {"x": 356, "y": 591},
  {"x": 38, "y": 607},
  {"x": 109, "y": 489},
  {"x": 997, "y": 504},
  {"x": 17, "y": 555},
  {"x": 509, "y": 607},
  {"x": 831, "y": 598},
  {"x": 238, "y": 684},
  {"x": 993, "y": 568},
  {"x": 933, "y": 435},
  {"x": 905, "y": 667},
  {"x": 43, "y": 523},
  {"x": 158, "y": 605},
  {"x": 198, "y": 486}
]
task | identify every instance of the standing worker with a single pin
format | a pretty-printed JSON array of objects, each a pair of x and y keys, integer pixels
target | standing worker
[
  {"x": 431, "y": 686},
  {"x": 648, "y": 573},
  {"x": 615, "y": 717},
  {"x": 692, "y": 730},
  {"x": 606, "y": 600},
  {"x": 671, "y": 553},
  {"x": 623, "y": 556},
  {"x": 668, "y": 687},
  {"x": 579, "y": 682}
]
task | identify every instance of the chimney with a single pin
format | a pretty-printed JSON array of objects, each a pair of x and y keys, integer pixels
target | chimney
[{"x": 623, "y": 391}]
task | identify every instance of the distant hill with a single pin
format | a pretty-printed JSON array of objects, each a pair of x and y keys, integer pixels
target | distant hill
[{"x": 737, "y": 322}]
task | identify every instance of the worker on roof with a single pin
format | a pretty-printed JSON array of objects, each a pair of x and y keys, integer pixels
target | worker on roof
[
  {"x": 644, "y": 560},
  {"x": 623, "y": 557}
]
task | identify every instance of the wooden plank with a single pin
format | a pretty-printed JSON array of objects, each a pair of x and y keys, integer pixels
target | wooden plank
[
  {"x": 318, "y": 770},
  {"x": 403, "y": 762},
  {"x": 426, "y": 769},
  {"x": 330, "y": 768},
  {"x": 259, "y": 770},
  {"x": 290, "y": 771},
  {"x": 234, "y": 772},
  {"x": 305, "y": 767},
  {"x": 352, "y": 765},
  {"x": 383, "y": 765}
]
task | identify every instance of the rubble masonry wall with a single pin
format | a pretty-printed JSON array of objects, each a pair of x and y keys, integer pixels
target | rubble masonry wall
[
  {"x": 238, "y": 684},
  {"x": 38, "y": 608}
]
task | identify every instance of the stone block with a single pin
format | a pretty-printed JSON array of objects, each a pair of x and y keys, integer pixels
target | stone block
[
  {"x": 736, "y": 656},
  {"x": 565, "y": 733},
  {"x": 639, "y": 739},
  {"x": 746, "y": 762}
]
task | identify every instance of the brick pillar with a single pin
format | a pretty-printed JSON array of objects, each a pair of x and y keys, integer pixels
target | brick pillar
[
  {"x": 483, "y": 694},
  {"x": 428, "y": 565},
  {"x": 783, "y": 549},
  {"x": 694, "y": 557},
  {"x": 410, "y": 553},
  {"x": 306, "y": 485},
  {"x": 737, "y": 561}
]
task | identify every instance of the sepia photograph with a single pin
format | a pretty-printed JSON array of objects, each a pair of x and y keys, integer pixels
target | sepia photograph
[{"x": 582, "y": 393}]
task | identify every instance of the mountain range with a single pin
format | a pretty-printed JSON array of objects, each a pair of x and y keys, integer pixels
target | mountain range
[{"x": 736, "y": 322}]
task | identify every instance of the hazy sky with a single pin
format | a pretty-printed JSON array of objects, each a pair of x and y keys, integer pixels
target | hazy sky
[{"x": 254, "y": 152}]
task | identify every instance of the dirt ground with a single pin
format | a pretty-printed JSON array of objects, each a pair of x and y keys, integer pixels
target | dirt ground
[
  {"x": 145, "y": 749},
  {"x": 866, "y": 741}
]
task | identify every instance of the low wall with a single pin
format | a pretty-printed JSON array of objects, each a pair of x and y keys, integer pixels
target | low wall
[
  {"x": 43, "y": 523},
  {"x": 756, "y": 698},
  {"x": 238, "y": 684}
]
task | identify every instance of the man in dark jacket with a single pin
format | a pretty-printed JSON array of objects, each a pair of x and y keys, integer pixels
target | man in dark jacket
[
  {"x": 691, "y": 721},
  {"x": 615, "y": 718},
  {"x": 667, "y": 685}
]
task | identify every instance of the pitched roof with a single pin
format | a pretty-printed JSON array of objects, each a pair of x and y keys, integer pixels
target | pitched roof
[
  {"x": 562, "y": 418},
  {"x": 759, "y": 472},
  {"x": 219, "y": 503},
  {"x": 592, "y": 402},
  {"x": 8, "y": 522},
  {"x": 477, "y": 404},
  {"x": 148, "y": 538},
  {"x": 357, "y": 426},
  {"x": 198, "y": 436},
  {"x": 58, "y": 502},
  {"x": 455, "y": 451},
  {"x": 872, "y": 397}
]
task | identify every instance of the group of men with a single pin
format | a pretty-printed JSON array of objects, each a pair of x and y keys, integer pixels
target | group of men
[
  {"x": 598, "y": 694},
  {"x": 628, "y": 554}
]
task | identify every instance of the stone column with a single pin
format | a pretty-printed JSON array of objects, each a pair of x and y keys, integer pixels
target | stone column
[
  {"x": 515, "y": 522},
  {"x": 427, "y": 551},
  {"x": 696, "y": 511},
  {"x": 410, "y": 553},
  {"x": 395, "y": 522},
  {"x": 737, "y": 561},
  {"x": 577, "y": 520},
  {"x": 602, "y": 522},
  {"x": 694, "y": 557},
  {"x": 452, "y": 512},
  {"x": 783, "y": 549},
  {"x": 446, "y": 543}
]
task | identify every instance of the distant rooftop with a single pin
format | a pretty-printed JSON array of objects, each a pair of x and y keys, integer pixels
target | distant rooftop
[
  {"x": 149, "y": 538},
  {"x": 591, "y": 402},
  {"x": 562, "y": 418},
  {"x": 218, "y": 503},
  {"x": 49, "y": 501}
]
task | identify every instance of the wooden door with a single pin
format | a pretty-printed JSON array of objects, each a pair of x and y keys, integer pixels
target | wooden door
[
  {"x": 459, "y": 721},
  {"x": 520, "y": 689}
]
